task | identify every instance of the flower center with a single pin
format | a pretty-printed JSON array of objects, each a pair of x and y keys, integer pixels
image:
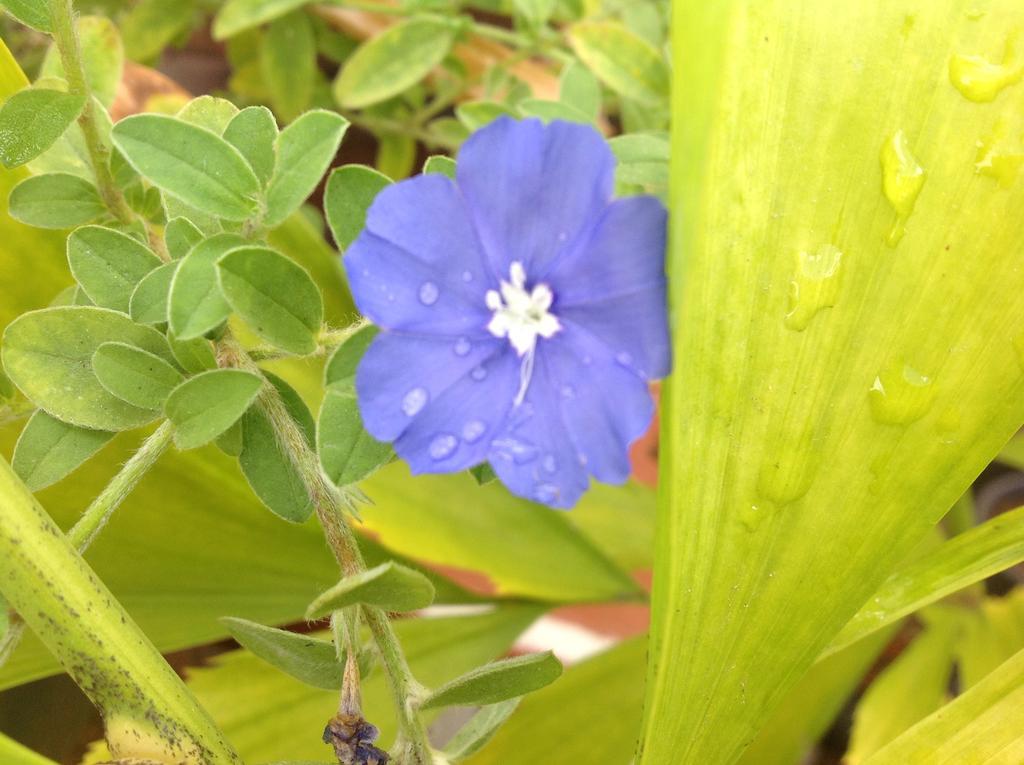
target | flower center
[{"x": 519, "y": 314}]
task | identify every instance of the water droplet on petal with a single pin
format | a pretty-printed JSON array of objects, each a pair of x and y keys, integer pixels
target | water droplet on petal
[
  {"x": 546, "y": 493},
  {"x": 414, "y": 401},
  {"x": 568, "y": 391},
  {"x": 442, "y": 446},
  {"x": 429, "y": 293},
  {"x": 550, "y": 463},
  {"x": 624, "y": 357},
  {"x": 462, "y": 346},
  {"x": 478, "y": 374},
  {"x": 511, "y": 448},
  {"x": 902, "y": 180},
  {"x": 472, "y": 431},
  {"x": 467, "y": 276}
]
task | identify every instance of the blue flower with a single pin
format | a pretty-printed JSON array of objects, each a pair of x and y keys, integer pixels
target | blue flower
[{"x": 522, "y": 312}]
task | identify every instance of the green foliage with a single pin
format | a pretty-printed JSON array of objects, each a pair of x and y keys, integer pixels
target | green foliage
[
  {"x": 195, "y": 304},
  {"x": 624, "y": 62},
  {"x": 270, "y": 472},
  {"x": 238, "y": 15},
  {"x": 135, "y": 376},
  {"x": 288, "y": 64},
  {"x": 30, "y": 122},
  {"x": 347, "y": 452},
  {"x": 350, "y": 192},
  {"x": 253, "y": 132},
  {"x": 148, "y": 303},
  {"x": 108, "y": 265},
  {"x": 389, "y": 586},
  {"x": 102, "y": 57},
  {"x": 206, "y": 405},
  {"x": 479, "y": 730},
  {"x": 498, "y": 681},
  {"x": 32, "y": 13},
  {"x": 310, "y": 659},
  {"x": 441, "y": 165},
  {"x": 49, "y": 450},
  {"x": 56, "y": 200}
]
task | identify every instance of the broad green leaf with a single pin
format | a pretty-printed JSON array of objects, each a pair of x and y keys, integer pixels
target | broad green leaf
[
  {"x": 642, "y": 161},
  {"x": 148, "y": 303},
  {"x": 31, "y": 13},
  {"x": 390, "y": 586},
  {"x": 270, "y": 472},
  {"x": 190, "y": 163},
  {"x": 133, "y": 375},
  {"x": 55, "y": 200},
  {"x": 102, "y": 56},
  {"x": 30, "y": 122},
  {"x": 195, "y": 304},
  {"x": 48, "y": 355},
  {"x": 180, "y": 236},
  {"x": 626, "y": 63},
  {"x": 304, "y": 152},
  {"x": 981, "y": 726},
  {"x": 348, "y": 454},
  {"x": 230, "y": 441},
  {"x": 552, "y": 110},
  {"x": 912, "y": 687},
  {"x": 206, "y": 405},
  {"x": 288, "y": 64},
  {"x": 194, "y": 356},
  {"x": 341, "y": 366},
  {"x": 253, "y": 131},
  {"x": 441, "y": 165},
  {"x": 498, "y": 681},
  {"x": 600, "y": 697},
  {"x": 481, "y": 727},
  {"x": 13, "y": 753},
  {"x": 535, "y": 12},
  {"x": 475, "y": 114},
  {"x": 295, "y": 405},
  {"x": 994, "y": 546},
  {"x": 209, "y": 112},
  {"x": 270, "y": 716},
  {"x": 149, "y": 26},
  {"x": 483, "y": 473},
  {"x": 350, "y": 191},
  {"x": 839, "y": 418},
  {"x": 993, "y": 632},
  {"x": 48, "y": 450},
  {"x": 238, "y": 15},
  {"x": 109, "y": 265},
  {"x": 273, "y": 295},
  {"x": 578, "y": 88},
  {"x": 393, "y": 61},
  {"x": 310, "y": 659}
]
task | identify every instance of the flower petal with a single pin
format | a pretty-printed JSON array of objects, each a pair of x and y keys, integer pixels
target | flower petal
[
  {"x": 400, "y": 374},
  {"x": 454, "y": 431},
  {"x": 606, "y": 406},
  {"x": 535, "y": 456},
  {"x": 534, "y": 190},
  {"x": 418, "y": 265}
]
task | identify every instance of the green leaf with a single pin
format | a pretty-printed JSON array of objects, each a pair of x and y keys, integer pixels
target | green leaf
[
  {"x": 341, "y": 366},
  {"x": 552, "y": 110},
  {"x": 194, "y": 356},
  {"x": 48, "y": 355},
  {"x": 295, "y": 406},
  {"x": 273, "y": 295},
  {"x": 483, "y": 474},
  {"x": 304, "y": 152},
  {"x": 134, "y": 375},
  {"x": 626, "y": 63},
  {"x": 642, "y": 161},
  {"x": 270, "y": 471},
  {"x": 982, "y": 725},
  {"x": 31, "y": 13},
  {"x": 206, "y": 405},
  {"x": 993, "y": 632},
  {"x": 535, "y": 12},
  {"x": 109, "y": 265},
  {"x": 350, "y": 191},
  {"x": 396, "y": 155},
  {"x": 149, "y": 26},
  {"x": 48, "y": 450},
  {"x": 348, "y": 454},
  {"x": 238, "y": 15},
  {"x": 180, "y": 236},
  {"x": 441, "y": 165},
  {"x": 102, "y": 55},
  {"x": 578, "y": 88},
  {"x": 912, "y": 687},
  {"x": 30, "y": 122},
  {"x": 498, "y": 681},
  {"x": 190, "y": 163},
  {"x": 480, "y": 729},
  {"x": 13, "y": 753},
  {"x": 288, "y": 64},
  {"x": 310, "y": 659},
  {"x": 195, "y": 302},
  {"x": 390, "y": 586},
  {"x": 393, "y": 61},
  {"x": 55, "y": 200},
  {"x": 475, "y": 114},
  {"x": 833, "y": 428},
  {"x": 253, "y": 131},
  {"x": 994, "y": 546},
  {"x": 208, "y": 112}
]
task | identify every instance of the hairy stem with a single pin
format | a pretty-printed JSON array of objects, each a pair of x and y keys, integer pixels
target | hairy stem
[{"x": 63, "y": 16}]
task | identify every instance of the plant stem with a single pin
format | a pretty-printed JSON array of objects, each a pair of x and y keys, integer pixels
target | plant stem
[
  {"x": 397, "y": 127},
  {"x": 63, "y": 16}
]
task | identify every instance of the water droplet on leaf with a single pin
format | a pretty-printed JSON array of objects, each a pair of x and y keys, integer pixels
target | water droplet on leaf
[
  {"x": 815, "y": 285},
  {"x": 902, "y": 180},
  {"x": 981, "y": 80},
  {"x": 900, "y": 395},
  {"x": 997, "y": 158}
]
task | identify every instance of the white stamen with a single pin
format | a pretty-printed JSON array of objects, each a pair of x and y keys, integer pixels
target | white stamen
[{"x": 522, "y": 316}]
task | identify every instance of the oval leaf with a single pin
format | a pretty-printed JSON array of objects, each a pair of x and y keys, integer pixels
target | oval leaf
[
  {"x": 32, "y": 120},
  {"x": 55, "y": 200},
  {"x": 191, "y": 163},
  {"x": 304, "y": 152},
  {"x": 498, "y": 681},
  {"x": 195, "y": 303},
  {"x": 312, "y": 660},
  {"x": 180, "y": 236},
  {"x": 239, "y": 15},
  {"x": 288, "y": 64},
  {"x": 134, "y": 375},
  {"x": 341, "y": 367},
  {"x": 48, "y": 449},
  {"x": 253, "y": 131},
  {"x": 109, "y": 265},
  {"x": 270, "y": 471},
  {"x": 148, "y": 303},
  {"x": 392, "y": 61},
  {"x": 348, "y": 453},
  {"x": 194, "y": 356},
  {"x": 206, "y": 405},
  {"x": 48, "y": 355},
  {"x": 390, "y": 586},
  {"x": 350, "y": 191},
  {"x": 626, "y": 63},
  {"x": 274, "y": 295},
  {"x": 31, "y": 13}
]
